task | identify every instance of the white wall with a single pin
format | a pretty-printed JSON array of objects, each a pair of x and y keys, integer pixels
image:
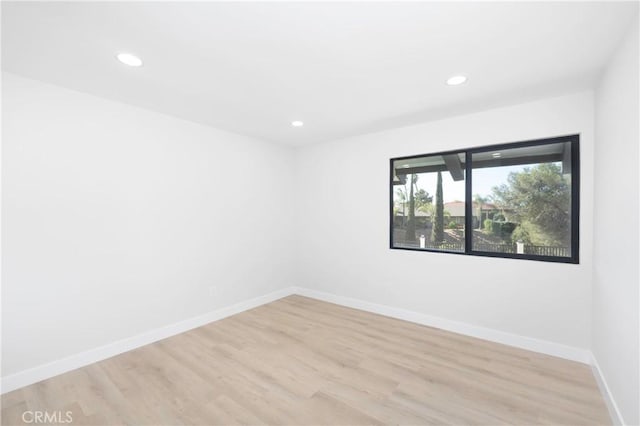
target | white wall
[
  {"x": 117, "y": 220},
  {"x": 616, "y": 254},
  {"x": 343, "y": 226}
]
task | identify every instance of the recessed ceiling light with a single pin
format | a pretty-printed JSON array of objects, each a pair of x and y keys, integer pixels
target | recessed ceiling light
[
  {"x": 297, "y": 123},
  {"x": 456, "y": 79},
  {"x": 406, "y": 166},
  {"x": 496, "y": 155},
  {"x": 129, "y": 59}
]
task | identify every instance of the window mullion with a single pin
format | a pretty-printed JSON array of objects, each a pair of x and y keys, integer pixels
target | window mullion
[{"x": 468, "y": 213}]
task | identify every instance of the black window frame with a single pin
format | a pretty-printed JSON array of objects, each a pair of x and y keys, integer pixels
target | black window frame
[{"x": 574, "y": 139}]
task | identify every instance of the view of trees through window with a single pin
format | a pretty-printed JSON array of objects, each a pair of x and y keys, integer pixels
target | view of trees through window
[
  {"x": 429, "y": 204},
  {"x": 521, "y": 203}
]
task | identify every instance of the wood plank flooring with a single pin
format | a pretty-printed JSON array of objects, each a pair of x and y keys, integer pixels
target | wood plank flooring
[{"x": 299, "y": 361}]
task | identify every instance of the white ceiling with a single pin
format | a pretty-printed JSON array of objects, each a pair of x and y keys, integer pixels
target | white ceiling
[{"x": 342, "y": 68}]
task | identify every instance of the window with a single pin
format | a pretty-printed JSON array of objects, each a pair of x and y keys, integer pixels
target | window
[
  {"x": 517, "y": 200},
  {"x": 429, "y": 202}
]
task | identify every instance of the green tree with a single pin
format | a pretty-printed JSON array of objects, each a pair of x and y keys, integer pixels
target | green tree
[
  {"x": 424, "y": 202},
  {"x": 480, "y": 201},
  {"x": 437, "y": 232},
  {"x": 522, "y": 234},
  {"x": 401, "y": 195},
  {"x": 540, "y": 200},
  {"x": 423, "y": 198},
  {"x": 410, "y": 235}
]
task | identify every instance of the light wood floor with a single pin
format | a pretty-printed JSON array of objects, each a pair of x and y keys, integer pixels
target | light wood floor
[{"x": 299, "y": 361}]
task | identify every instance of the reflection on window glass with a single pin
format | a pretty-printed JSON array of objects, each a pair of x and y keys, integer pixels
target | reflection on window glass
[
  {"x": 522, "y": 200},
  {"x": 429, "y": 202}
]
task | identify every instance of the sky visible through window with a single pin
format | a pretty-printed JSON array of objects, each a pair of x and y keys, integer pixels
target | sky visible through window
[{"x": 483, "y": 182}]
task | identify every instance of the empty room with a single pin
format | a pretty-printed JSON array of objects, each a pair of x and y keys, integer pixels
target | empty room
[{"x": 320, "y": 213}]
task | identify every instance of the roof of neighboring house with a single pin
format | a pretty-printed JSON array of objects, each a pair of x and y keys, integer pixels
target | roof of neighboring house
[
  {"x": 456, "y": 208},
  {"x": 485, "y": 206},
  {"x": 406, "y": 213}
]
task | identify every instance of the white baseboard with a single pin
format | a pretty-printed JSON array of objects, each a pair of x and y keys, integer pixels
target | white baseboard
[
  {"x": 45, "y": 371},
  {"x": 614, "y": 411},
  {"x": 523, "y": 342},
  {"x": 536, "y": 345}
]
